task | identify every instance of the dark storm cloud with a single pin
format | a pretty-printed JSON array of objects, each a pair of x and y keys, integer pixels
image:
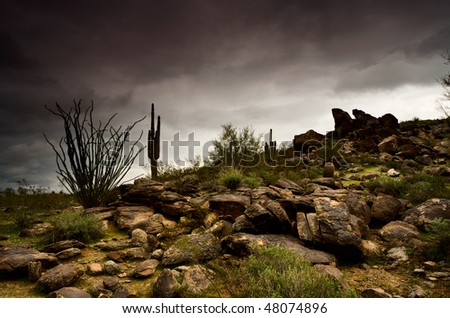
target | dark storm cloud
[{"x": 204, "y": 63}]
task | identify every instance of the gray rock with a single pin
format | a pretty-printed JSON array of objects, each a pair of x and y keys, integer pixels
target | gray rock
[
  {"x": 197, "y": 278},
  {"x": 399, "y": 232},
  {"x": 189, "y": 248},
  {"x": 60, "y": 276},
  {"x": 111, "y": 283},
  {"x": 15, "y": 258},
  {"x": 166, "y": 286},
  {"x": 398, "y": 254},
  {"x": 69, "y": 292},
  {"x": 425, "y": 213},
  {"x": 386, "y": 208},
  {"x": 146, "y": 268},
  {"x": 111, "y": 267},
  {"x": 244, "y": 244}
]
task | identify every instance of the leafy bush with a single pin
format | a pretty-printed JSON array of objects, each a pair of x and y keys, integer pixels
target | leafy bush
[
  {"x": 23, "y": 218},
  {"x": 393, "y": 186},
  {"x": 76, "y": 226},
  {"x": 231, "y": 178},
  {"x": 440, "y": 249},
  {"x": 277, "y": 272}
]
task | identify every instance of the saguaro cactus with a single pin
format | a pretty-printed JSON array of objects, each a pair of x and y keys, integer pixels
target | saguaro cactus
[{"x": 154, "y": 143}]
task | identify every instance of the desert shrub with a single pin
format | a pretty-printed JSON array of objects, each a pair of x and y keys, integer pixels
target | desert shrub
[
  {"x": 71, "y": 225},
  {"x": 22, "y": 218},
  {"x": 231, "y": 178},
  {"x": 252, "y": 181},
  {"x": 277, "y": 272},
  {"x": 393, "y": 186},
  {"x": 440, "y": 248}
]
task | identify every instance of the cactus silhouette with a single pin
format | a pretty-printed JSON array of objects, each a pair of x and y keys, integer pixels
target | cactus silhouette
[{"x": 154, "y": 143}]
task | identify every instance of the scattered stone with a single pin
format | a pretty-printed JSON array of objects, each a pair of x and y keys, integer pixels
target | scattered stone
[
  {"x": 393, "y": 173},
  {"x": 334, "y": 272},
  {"x": 111, "y": 268},
  {"x": 60, "y": 276},
  {"x": 122, "y": 292},
  {"x": 146, "y": 268},
  {"x": 419, "y": 272},
  {"x": 139, "y": 238},
  {"x": 69, "y": 292},
  {"x": 357, "y": 206},
  {"x": 34, "y": 270},
  {"x": 68, "y": 253},
  {"x": 375, "y": 293},
  {"x": 398, "y": 254},
  {"x": 417, "y": 292},
  {"x": 429, "y": 264},
  {"x": 166, "y": 286},
  {"x": 95, "y": 269},
  {"x": 111, "y": 283},
  {"x": 328, "y": 170}
]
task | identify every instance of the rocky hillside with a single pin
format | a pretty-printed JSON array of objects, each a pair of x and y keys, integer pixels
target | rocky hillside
[{"x": 369, "y": 225}]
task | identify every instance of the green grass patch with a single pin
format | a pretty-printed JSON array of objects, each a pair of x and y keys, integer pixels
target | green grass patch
[{"x": 72, "y": 225}]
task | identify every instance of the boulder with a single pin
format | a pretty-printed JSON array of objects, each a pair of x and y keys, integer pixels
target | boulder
[
  {"x": 192, "y": 248},
  {"x": 146, "y": 268},
  {"x": 263, "y": 220},
  {"x": 111, "y": 283},
  {"x": 155, "y": 224},
  {"x": 38, "y": 229},
  {"x": 243, "y": 244},
  {"x": 357, "y": 206},
  {"x": 15, "y": 258},
  {"x": 229, "y": 204},
  {"x": 221, "y": 228},
  {"x": 386, "y": 208},
  {"x": 111, "y": 268},
  {"x": 389, "y": 121},
  {"x": 68, "y": 253},
  {"x": 425, "y": 213},
  {"x": 95, "y": 269},
  {"x": 243, "y": 224},
  {"x": 60, "y": 276},
  {"x": 398, "y": 254},
  {"x": 63, "y": 245},
  {"x": 197, "y": 278},
  {"x": 144, "y": 191},
  {"x": 69, "y": 292},
  {"x": 289, "y": 185},
  {"x": 127, "y": 217},
  {"x": 166, "y": 286},
  {"x": 399, "y": 232}
]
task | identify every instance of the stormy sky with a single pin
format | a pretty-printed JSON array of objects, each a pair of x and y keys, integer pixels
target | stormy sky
[{"x": 279, "y": 64}]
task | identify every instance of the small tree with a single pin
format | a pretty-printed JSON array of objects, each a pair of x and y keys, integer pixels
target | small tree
[
  {"x": 236, "y": 148},
  {"x": 91, "y": 159},
  {"x": 445, "y": 82}
]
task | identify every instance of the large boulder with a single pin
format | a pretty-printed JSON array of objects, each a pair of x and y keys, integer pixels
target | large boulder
[
  {"x": 192, "y": 248},
  {"x": 15, "y": 258},
  {"x": 143, "y": 191},
  {"x": 333, "y": 227},
  {"x": 399, "y": 232},
  {"x": 243, "y": 244},
  {"x": 60, "y": 276},
  {"x": 386, "y": 208},
  {"x": 229, "y": 204},
  {"x": 343, "y": 123},
  {"x": 357, "y": 206},
  {"x": 425, "y": 213},
  {"x": 155, "y": 224},
  {"x": 166, "y": 285},
  {"x": 127, "y": 217}
]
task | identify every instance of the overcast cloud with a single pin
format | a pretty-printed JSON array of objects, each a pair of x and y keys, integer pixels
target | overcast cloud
[{"x": 269, "y": 63}]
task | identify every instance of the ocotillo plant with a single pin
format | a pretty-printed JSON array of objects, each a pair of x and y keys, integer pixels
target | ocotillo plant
[
  {"x": 153, "y": 143},
  {"x": 270, "y": 150}
]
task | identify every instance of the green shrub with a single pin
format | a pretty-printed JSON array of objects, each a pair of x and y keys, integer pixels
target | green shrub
[
  {"x": 252, "y": 182},
  {"x": 393, "y": 186},
  {"x": 76, "y": 226},
  {"x": 231, "y": 178},
  {"x": 440, "y": 248},
  {"x": 277, "y": 272},
  {"x": 22, "y": 218}
]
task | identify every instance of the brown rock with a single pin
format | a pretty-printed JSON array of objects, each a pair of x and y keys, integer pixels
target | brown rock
[{"x": 60, "y": 276}]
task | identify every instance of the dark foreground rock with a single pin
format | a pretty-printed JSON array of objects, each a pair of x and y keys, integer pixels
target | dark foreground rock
[
  {"x": 15, "y": 258},
  {"x": 60, "y": 276}
]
